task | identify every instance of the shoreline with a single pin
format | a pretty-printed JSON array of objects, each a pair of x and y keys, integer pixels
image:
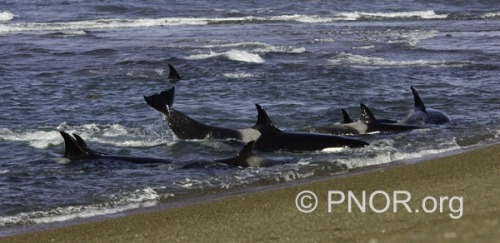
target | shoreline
[{"x": 246, "y": 213}]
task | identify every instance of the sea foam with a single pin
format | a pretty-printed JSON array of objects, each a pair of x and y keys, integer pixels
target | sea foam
[{"x": 6, "y": 16}]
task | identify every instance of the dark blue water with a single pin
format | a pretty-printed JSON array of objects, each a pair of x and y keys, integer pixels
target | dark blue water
[{"x": 84, "y": 66}]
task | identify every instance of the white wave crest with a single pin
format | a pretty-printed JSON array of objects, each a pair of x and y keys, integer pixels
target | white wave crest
[
  {"x": 394, "y": 155},
  {"x": 6, "y": 16},
  {"x": 36, "y": 138},
  {"x": 359, "y": 60},
  {"x": 176, "y": 21},
  {"x": 491, "y": 15},
  {"x": 147, "y": 197},
  {"x": 258, "y": 47},
  {"x": 429, "y": 14},
  {"x": 235, "y": 55},
  {"x": 240, "y": 75},
  {"x": 113, "y": 134}
]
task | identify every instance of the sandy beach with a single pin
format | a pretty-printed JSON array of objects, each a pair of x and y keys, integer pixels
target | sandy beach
[{"x": 460, "y": 194}]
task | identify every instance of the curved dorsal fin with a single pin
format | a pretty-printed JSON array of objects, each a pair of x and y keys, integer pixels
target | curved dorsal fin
[
  {"x": 173, "y": 75},
  {"x": 264, "y": 123},
  {"x": 80, "y": 141},
  {"x": 419, "y": 104},
  {"x": 72, "y": 147},
  {"x": 246, "y": 152},
  {"x": 347, "y": 118},
  {"x": 242, "y": 158},
  {"x": 366, "y": 115}
]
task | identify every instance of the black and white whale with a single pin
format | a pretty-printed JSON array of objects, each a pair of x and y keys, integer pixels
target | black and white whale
[
  {"x": 347, "y": 118},
  {"x": 76, "y": 149},
  {"x": 246, "y": 158},
  {"x": 366, "y": 125},
  {"x": 274, "y": 139},
  {"x": 423, "y": 115},
  {"x": 173, "y": 75},
  {"x": 184, "y": 127}
]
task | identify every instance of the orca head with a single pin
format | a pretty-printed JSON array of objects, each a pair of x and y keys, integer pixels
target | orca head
[
  {"x": 173, "y": 75},
  {"x": 366, "y": 115},
  {"x": 264, "y": 124}
]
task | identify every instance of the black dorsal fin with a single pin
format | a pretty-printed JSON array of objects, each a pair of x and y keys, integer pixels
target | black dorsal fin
[
  {"x": 347, "y": 118},
  {"x": 241, "y": 158},
  {"x": 366, "y": 115},
  {"x": 173, "y": 75},
  {"x": 264, "y": 123},
  {"x": 161, "y": 101},
  {"x": 419, "y": 104},
  {"x": 244, "y": 154},
  {"x": 72, "y": 146}
]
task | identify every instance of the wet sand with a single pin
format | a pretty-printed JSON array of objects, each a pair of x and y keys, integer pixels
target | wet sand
[{"x": 272, "y": 215}]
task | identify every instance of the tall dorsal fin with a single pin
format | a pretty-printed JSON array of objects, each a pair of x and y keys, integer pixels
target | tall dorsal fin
[
  {"x": 161, "y": 101},
  {"x": 242, "y": 158},
  {"x": 173, "y": 75},
  {"x": 264, "y": 123},
  {"x": 366, "y": 115},
  {"x": 244, "y": 154},
  {"x": 84, "y": 145},
  {"x": 80, "y": 141},
  {"x": 72, "y": 147},
  {"x": 419, "y": 104},
  {"x": 347, "y": 118}
]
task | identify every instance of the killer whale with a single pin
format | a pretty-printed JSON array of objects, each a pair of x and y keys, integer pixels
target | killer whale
[
  {"x": 274, "y": 139},
  {"x": 367, "y": 124},
  {"x": 347, "y": 118},
  {"x": 246, "y": 158},
  {"x": 420, "y": 114},
  {"x": 76, "y": 149},
  {"x": 184, "y": 127},
  {"x": 173, "y": 75}
]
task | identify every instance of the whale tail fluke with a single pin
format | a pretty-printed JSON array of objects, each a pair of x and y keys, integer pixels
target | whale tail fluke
[
  {"x": 173, "y": 75},
  {"x": 162, "y": 101}
]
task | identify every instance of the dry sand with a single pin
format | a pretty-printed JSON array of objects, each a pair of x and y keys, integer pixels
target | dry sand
[{"x": 272, "y": 215}]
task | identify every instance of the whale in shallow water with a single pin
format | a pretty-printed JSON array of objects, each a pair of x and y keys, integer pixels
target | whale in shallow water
[
  {"x": 273, "y": 139},
  {"x": 246, "y": 158},
  {"x": 184, "y": 127},
  {"x": 367, "y": 124},
  {"x": 420, "y": 114},
  {"x": 76, "y": 149}
]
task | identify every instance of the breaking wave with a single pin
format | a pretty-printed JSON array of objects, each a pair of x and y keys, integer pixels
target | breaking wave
[
  {"x": 113, "y": 134},
  {"x": 235, "y": 55},
  {"x": 143, "y": 198},
  {"x": 367, "y": 61},
  {"x": 184, "y": 21}
]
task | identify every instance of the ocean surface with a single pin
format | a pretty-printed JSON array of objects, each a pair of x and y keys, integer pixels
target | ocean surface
[{"x": 83, "y": 67}]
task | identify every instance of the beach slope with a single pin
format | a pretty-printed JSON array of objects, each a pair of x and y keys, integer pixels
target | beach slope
[{"x": 272, "y": 215}]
